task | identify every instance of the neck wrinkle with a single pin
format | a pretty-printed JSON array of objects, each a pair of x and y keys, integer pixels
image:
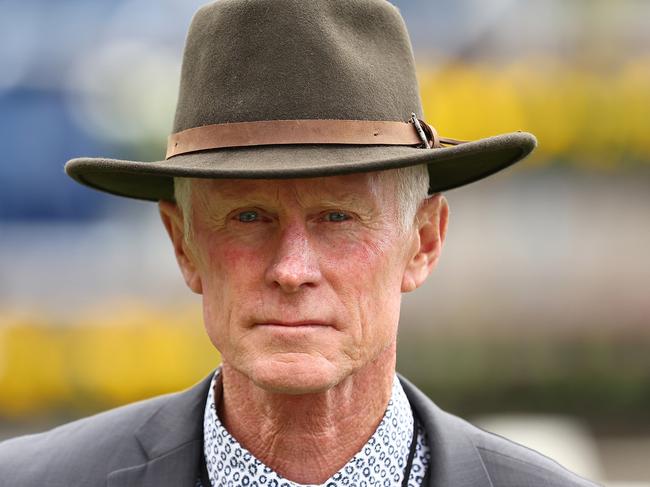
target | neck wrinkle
[{"x": 307, "y": 438}]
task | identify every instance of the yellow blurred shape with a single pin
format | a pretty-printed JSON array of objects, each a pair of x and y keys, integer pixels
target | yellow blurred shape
[
  {"x": 125, "y": 353},
  {"x": 34, "y": 368},
  {"x": 586, "y": 116}
]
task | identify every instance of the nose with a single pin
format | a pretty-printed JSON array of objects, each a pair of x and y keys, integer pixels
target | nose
[{"x": 295, "y": 263}]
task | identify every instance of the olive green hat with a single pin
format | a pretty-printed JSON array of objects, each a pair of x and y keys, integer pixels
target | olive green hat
[{"x": 295, "y": 88}]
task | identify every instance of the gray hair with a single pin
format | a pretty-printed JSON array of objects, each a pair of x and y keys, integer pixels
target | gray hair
[
  {"x": 411, "y": 185},
  {"x": 411, "y": 188},
  {"x": 183, "y": 197}
]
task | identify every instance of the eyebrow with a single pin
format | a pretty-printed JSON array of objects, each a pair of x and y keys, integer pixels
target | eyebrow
[{"x": 348, "y": 200}]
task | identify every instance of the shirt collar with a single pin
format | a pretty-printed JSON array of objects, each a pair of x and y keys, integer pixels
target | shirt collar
[{"x": 382, "y": 459}]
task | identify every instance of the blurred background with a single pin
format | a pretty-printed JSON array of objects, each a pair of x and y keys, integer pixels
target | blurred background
[{"x": 536, "y": 323}]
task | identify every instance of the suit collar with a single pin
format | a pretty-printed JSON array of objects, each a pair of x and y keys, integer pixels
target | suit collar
[
  {"x": 455, "y": 461},
  {"x": 177, "y": 421},
  {"x": 172, "y": 442}
]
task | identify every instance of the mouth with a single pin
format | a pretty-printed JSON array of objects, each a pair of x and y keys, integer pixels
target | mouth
[{"x": 294, "y": 324}]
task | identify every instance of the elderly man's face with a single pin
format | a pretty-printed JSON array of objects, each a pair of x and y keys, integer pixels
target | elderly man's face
[{"x": 301, "y": 279}]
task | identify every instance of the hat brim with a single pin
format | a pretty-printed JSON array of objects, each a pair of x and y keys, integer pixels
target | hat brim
[{"x": 449, "y": 167}]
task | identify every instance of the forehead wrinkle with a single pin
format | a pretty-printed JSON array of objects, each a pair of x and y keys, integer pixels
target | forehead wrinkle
[
  {"x": 358, "y": 192},
  {"x": 216, "y": 195},
  {"x": 235, "y": 189},
  {"x": 352, "y": 190}
]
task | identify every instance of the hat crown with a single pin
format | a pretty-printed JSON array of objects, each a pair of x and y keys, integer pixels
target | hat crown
[{"x": 251, "y": 60}]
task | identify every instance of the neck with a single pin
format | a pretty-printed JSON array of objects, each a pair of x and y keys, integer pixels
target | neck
[{"x": 307, "y": 438}]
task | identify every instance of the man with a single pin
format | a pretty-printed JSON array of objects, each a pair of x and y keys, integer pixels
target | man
[{"x": 301, "y": 193}]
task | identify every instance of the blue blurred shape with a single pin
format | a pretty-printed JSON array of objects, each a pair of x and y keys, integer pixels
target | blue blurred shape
[{"x": 38, "y": 137}]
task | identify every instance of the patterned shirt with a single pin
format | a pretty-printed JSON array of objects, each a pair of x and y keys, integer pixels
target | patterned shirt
[{"x": 380, "y": 462}]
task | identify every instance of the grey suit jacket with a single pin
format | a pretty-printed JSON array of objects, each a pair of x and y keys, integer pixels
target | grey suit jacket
[{"x": 159, "y": 443}]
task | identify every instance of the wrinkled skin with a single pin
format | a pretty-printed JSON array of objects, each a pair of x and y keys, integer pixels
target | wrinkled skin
[{"x": 302, "y": 278}]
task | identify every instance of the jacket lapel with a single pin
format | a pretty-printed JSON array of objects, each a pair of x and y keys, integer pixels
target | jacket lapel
[
  {"x": 172, "y": 441},
  {"x": 455, "y": 461}
]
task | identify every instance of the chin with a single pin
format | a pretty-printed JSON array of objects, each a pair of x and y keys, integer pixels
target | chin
[{"x": 296, "y": 374}]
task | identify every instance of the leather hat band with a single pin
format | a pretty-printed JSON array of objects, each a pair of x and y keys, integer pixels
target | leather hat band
[{"x": 283, "y": 132}]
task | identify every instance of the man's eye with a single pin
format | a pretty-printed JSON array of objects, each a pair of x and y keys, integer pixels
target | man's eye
[
  {"x": 247, "y": 216},
  {"x": 336, "y": 216}
]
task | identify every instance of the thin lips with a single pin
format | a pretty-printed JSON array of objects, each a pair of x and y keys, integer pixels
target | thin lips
[{"x": 293, "y": 323}]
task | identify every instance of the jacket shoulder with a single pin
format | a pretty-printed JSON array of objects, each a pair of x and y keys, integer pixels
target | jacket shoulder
[
  {"x": 501, "y": 462},
  {"x": 82, "y": 452},
  {"x": 511, "y": 464}
]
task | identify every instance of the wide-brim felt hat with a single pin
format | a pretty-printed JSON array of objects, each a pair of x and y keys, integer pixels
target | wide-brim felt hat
[{"x": 296, "y": 89}]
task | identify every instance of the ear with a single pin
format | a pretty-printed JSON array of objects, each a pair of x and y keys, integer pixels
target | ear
[
  {"x": 430, "y": 230},
  {"x": 172, "y": 218}
]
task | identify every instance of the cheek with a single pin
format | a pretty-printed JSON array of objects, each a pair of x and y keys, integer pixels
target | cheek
[
  {"x": 232, "y": 278},
  {"x": 227, "y": 273},
  {"x": 228, "y": 264},
  {"x": 351, "y": 249},
  {"x": 367, "y": 275},
  {"x": 373, "y": 265}
]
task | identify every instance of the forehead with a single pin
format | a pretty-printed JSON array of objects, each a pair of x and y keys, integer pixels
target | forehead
[{"x": 361, "y": 187}]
